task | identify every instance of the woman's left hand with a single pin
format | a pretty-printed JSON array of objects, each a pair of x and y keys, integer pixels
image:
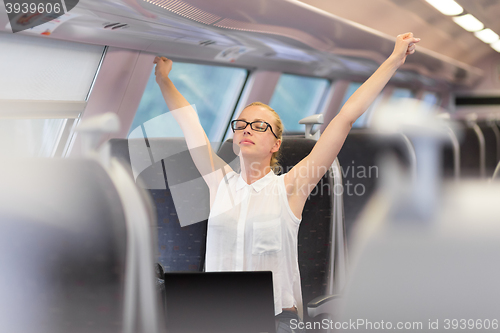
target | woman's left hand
[{"x": 405, "y": 45}]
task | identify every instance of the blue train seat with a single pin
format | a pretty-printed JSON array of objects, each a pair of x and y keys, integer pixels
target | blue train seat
[
  {"x": 362, "y": 168},
  {"x": 179, "y": 248},
  {"x": 63, "y": 247},
  {"x": 491, "y": 142},
  {"x": 472, "y": 151},
  {"x": 450, "y": 154},
  {"x": 315, "y": 248}
]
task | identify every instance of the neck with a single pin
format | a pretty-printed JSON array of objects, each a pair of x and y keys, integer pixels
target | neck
[{"x": 251, "y": 171}]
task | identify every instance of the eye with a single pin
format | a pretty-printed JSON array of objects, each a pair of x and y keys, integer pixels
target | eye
[
  {"x": 239, "y": 124},
  {"x": 260, "y": 126}
]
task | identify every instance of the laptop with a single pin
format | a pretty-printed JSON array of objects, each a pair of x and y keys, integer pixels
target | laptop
[{"x": 219, "y": 302}]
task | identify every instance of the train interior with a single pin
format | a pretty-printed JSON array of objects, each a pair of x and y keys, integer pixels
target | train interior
[{"x": 99, "y": 196}]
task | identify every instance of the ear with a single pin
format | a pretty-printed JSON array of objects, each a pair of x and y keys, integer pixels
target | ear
[{"x": 276, "y": 146}]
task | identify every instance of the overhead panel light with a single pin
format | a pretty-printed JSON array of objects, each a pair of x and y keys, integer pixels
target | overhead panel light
[
  {"x": 496, "y": 46},
  {"x": 469, "y": 22},
  {"x": 447, "y": 7},
  {"x": 487, "y": 35}
]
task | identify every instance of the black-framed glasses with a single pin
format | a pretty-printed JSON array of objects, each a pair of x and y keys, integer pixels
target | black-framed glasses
[{"x": 258, "y": 126}]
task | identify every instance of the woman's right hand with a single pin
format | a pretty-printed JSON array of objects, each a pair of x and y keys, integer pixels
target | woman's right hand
[{"x": 162, "y": 69}]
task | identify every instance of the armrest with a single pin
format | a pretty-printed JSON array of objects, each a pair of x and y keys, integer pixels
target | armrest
[
  {"x": 160, "y": 271},
  {"x": 323, "y": 304},
  {"x": 310, "y": 122},
  {"x": 160, "y": 287}
]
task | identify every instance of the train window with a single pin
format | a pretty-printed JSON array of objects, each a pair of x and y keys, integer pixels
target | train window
[
  {"x": 401, "y": 93},
  {"x": 214, "y": 91},
  {"x": 44, "y": 87},
  {"x": 296, "y": 97},
  {"x": 363, "y": 120},
  {"x": 430, "y": 98},
  {"x": 30, "y": 137}
]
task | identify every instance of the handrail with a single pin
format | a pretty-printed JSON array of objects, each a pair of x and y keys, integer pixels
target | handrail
[
  {"x": 496, "y": 174},
  {"x": 339, "y": 251},
  {"x": 494, "y": 127},
  {"x": 456, "y": 152},
  {"x": 482, "y": 147}
]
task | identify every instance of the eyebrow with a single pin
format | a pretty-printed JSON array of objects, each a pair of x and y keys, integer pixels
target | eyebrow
[{"x": 258, "y": 119}]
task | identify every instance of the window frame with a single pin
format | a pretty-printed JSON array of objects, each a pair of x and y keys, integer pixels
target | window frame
[
  {"x": 69, "y": 111},
  {"x": 224, "y": 128},
  {"x": 321, "y": 103}
]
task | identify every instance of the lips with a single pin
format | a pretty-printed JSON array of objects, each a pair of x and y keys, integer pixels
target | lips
[{"x": 247, "y": 141}]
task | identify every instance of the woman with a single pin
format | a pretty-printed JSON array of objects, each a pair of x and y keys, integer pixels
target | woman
[{"x": 255, "y": 215}]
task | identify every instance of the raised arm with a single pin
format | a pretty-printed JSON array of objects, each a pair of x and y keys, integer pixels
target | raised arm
[
  {"x": 302, "y": 178},
  {"x": 211, "y": 166}
]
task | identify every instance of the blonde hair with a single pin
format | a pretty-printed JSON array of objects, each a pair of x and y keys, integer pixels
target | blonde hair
[{"x": 277, "y": 129}]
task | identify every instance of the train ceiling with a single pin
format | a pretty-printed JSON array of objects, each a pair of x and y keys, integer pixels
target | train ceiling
[
  {"x": 439, "y": 33},
  {"x": 303, "y": 37}
]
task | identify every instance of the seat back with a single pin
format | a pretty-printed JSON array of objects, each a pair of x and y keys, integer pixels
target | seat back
[
  {"x": 496, "y": 174},
  {"x": 315, "y": 233},
  {"x": 491, "y": 138},
  {"x": 362, "y": 168},
  {"x": 440, "y": 269},
  {"x": 162, "y": 166},
  {"x": 472, "y": 151},
  {"x": 450, "y": 155},
  {"x": 62, "y": 246}
]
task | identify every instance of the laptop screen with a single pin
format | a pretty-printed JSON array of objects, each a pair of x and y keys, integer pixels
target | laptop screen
[{"x": 219, "y": 302}]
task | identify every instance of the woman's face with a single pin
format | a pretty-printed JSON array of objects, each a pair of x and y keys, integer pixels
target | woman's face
[{"x": 253, "y": 143}]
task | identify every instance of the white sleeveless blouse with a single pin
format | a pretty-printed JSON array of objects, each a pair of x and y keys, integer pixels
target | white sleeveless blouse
[{"x": 252, "y": 228}]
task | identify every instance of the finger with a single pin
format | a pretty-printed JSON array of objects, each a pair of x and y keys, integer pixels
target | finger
[{"x": 406, "y": 35}]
